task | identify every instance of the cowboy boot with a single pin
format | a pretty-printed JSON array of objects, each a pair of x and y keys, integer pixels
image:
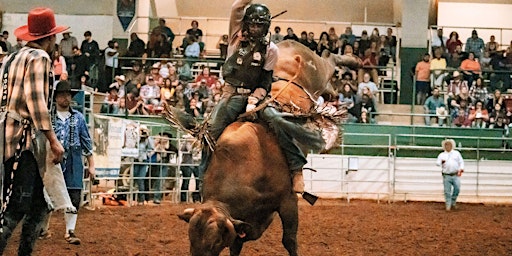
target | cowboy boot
[{"x": 298, "y": 181}]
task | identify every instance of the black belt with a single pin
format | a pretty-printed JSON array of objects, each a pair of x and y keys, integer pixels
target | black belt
[
  {"x": 236, "y": 89},
  {"x": 449, "y": 174}
]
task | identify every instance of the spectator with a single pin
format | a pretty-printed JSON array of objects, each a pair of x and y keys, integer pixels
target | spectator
[
  {"x": 478, "y": 91},
  {"x": 348, "y": 37},
  {"x": 195, "y": 31},
  {"x": 169, "y": 35},
  {"x": 136, "y": 75},
  {"x": 111, "y": 102},
  {"x": 391, "y": 43},
  {"x": 156, "y": 46},
  {"x": 356, "y": 49},
  {"x": 134, "y": 104},
  {"x": 485, "y": 63},
  {"x": 311, "y": 43},
  {"x": 364, "y": 42},
  {"x": 59, "y": 65},
  {"x": 500, "y": 79},
  {"x": 370, "y": 62},
  {"x": 497, "y": 118},
  {"x": 66, "y": 45},
  {"x": 454, "y": 88},
  {"x": 290, "y": 35},
  {"x": 349, "y": 51},
  {"x": 193, "y": 50},
  {"x": 276, "y": 37},
  {"x": 163, "y": 150},
  {"x": 347, "y": 98},
  {"x": 155, "y": 75},
  {"x": 3, "y": 44},
  {"x": 136, "y": 47},
  {"x": 90, "y": 49},
  {"x": 463, "y": 95},
  {"x": 79, "y": 67},
  {"x": 460, "y": 115},
  {"x": 183, "y": 70},
  {"x": 304, "y": 38},
  {"x": 18, "y": 45},
  {"x": 375, "y": 37},
  {"x": 10, "y": 48},
  {"x": 457, "y": 57},
  {"x": 496, "y": 98},
  {"x": 439, "y": 41},
  {"x": 367, "y": 83},
  {"x": 384, "y": 51},
  {"x": 120, "y": 84},
  {"x": 453, "y": 42},
  {"x": 167, "y": 92},
  {"x": 207, "y": 76},
  {"x": 187, "y": 168},
  {"x": 362, "y": 109},
  {"x": 323, "y": 43},
  {"x": 140, "y": 167},
  {"x": 111, "y": 62},
  {"x": 452, "y": 166},
  {"x": 222, "y": 45},
  {"x": 422, "y": 73},
  {"x": 433, "y": 105},
  {"x": 438, "y": 68},
  {"x": 470, "y": 68},
  {"x": 150, "y": 94},
  {"x": 333, "y": 37},
  {"x": 165, "y": 68},
  {"x": 492, "y": 46},
  {"x": 475, "y": 44},
  {"x": 479, "y": 115}
]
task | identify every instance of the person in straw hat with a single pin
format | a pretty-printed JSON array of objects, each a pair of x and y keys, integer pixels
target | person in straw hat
[
  {"x": 452, "y": 165},
  {"x": 26, "y": 81}
]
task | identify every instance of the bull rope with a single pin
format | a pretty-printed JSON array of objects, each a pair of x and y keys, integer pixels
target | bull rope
[{"x": 271, "y": 99}]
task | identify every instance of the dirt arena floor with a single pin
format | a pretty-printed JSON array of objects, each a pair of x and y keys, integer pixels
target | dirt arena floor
[{"x": 331, "y": 227}]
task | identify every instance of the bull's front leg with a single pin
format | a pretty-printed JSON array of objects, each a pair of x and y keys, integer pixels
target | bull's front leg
[
  {"x": 236, "y": 248},
  {"x": 289, "y": 214}
]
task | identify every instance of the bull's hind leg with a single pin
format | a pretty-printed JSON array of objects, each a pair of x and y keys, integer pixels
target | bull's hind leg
[{"x": 288, "y": 212}]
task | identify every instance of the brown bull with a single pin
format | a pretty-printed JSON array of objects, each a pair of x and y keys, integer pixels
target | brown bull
[{"x": 242, "y": 190}]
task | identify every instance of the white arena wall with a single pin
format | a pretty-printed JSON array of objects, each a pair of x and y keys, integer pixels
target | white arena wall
[{"x": 404, "y": 179}]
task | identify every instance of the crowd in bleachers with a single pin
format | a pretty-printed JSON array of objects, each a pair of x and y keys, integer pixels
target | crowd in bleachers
[
  {"x": 150, "y": 73},
  {"x": 464, "y": 88}
]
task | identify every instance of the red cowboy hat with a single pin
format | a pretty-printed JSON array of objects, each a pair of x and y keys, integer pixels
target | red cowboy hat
[{"x": 41, "y": 23}]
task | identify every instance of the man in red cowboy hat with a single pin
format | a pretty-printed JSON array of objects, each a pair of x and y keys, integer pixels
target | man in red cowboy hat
[{"x": 26, "y": 81}]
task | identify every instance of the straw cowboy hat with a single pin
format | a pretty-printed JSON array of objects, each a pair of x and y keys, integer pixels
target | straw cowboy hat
[
  {"x": 448, "y": 141},
  {"x": 41, "y": 23},
  {"x": 441, "y": 112}
]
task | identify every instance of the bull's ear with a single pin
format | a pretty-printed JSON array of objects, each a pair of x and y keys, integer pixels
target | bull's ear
[
  {"x": 187, "y": 214},
  {"x": 242, "y": 228}
]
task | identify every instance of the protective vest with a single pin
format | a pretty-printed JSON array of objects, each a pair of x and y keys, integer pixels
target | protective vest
[{"x": 244, "y": 67}]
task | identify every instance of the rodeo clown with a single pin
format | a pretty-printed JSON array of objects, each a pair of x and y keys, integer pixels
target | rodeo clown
[{"x": 248, "y": 75}]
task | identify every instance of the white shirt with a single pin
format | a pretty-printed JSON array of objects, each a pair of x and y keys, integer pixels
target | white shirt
[
  {"x": 453, "y": 161},
  {"x": 111, "y": 61}
]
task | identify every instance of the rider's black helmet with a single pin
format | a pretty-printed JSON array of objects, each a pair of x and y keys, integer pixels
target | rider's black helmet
[{"x": 257, "y": 14}]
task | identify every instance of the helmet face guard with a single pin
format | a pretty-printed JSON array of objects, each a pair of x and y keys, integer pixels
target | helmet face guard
[{"x": 256, "y": 14}]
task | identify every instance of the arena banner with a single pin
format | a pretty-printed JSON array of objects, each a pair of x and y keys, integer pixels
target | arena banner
[
  {"x": 125, "y": 12},
  {"x": 130, "y": 138},
  {"x": 108, "y": 141}
]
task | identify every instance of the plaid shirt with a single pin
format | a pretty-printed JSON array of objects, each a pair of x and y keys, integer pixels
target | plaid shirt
[
  {"x": 478, "y": 93},
  {"x": 475, "y": 45},
  {"x": 28, "y": 85}
]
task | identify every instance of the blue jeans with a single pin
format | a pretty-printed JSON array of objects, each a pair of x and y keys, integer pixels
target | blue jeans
[
  {"x": 139, "y": 173},
  {"x": 159, "y": 182},
  {"x": 451, "y": 189},
  {"x": 228, "y": 110},
  {"x": 186, "y": 174}
]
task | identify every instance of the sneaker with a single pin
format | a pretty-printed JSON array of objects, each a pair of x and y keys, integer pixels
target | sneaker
[{"x": 71, "y": 238}]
